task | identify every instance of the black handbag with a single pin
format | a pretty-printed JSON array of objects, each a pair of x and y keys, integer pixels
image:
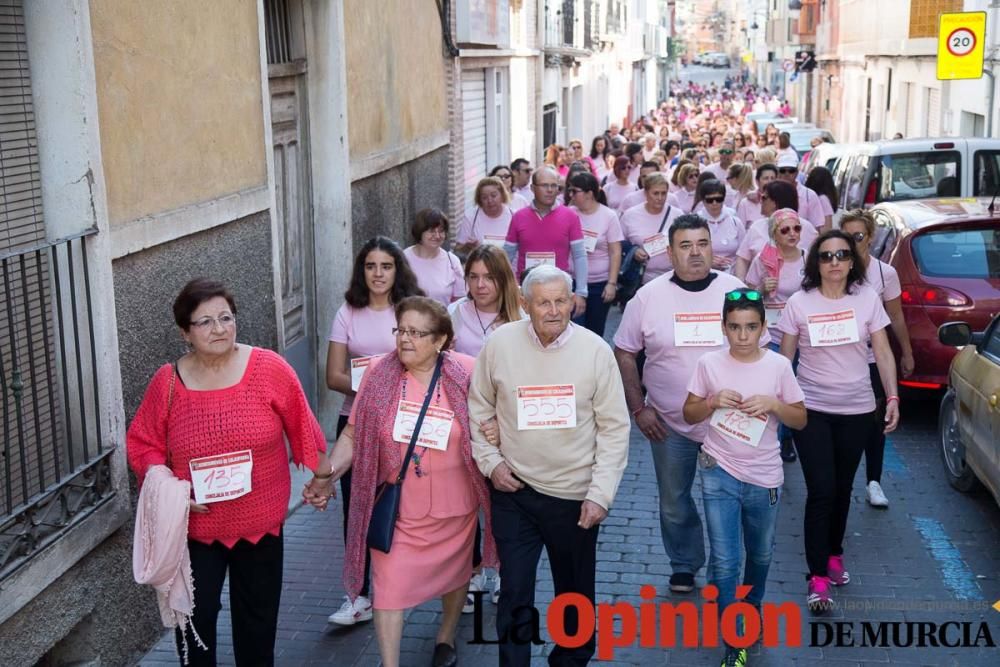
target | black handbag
[{"x": 385, "y": 510}]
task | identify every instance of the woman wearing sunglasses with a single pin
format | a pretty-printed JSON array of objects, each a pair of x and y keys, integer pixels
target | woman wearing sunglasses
[
  {"x": 831, "y": 322},
  {"x": 744, "y": 391},
  {"x": 860, "y": 226},
  {"x": 775, "y": 196},
  {"x": 615, "y": 190},
  {"x": 727, "y": 229},
  {"x": 683, "y": 197}
]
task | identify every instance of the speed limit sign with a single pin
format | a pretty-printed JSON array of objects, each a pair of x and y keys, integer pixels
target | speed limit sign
[{"x": 960, "y": 45}]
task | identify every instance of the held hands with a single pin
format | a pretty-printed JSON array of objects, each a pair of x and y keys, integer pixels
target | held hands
[
  {"x": 649, "y": 423},
  {"x": 891, "y": 416},
  {"x": 727, "y": 398},
  {"x": 755, "y": 406},
  {"x": 591, "y": 514},
  {"x": 503, "y": 479},
  {"x": 318, "y": 492}
]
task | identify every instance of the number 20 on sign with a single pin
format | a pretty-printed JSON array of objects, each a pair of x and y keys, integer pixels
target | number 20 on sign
[{"x": 961, "y": 45}]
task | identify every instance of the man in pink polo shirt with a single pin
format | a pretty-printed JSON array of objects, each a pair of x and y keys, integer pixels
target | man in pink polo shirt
[
  {"x": 545, "y": 233},
  {"x": 676, "y": 318}
]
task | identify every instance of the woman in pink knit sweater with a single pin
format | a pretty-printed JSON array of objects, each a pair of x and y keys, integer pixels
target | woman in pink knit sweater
[{"x": 219, "y": 417}]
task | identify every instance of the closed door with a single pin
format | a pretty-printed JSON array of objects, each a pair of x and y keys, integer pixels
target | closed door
[{"x": 287, "y": 69}]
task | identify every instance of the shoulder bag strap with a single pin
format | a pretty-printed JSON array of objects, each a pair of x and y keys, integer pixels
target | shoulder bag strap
[
  {"x": 663, "y": 223},
  {"x": 170, "y": 402},
  {"x": 420, "y": 419}
]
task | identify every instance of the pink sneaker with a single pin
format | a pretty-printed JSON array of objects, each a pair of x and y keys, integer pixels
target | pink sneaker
[
  {"x": 835, "y": 570},
  {"x": 819, "y": 599}
]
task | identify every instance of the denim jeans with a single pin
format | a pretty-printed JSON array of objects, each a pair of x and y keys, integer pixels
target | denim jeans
[
  {"x": 734, "y": 508},
  {"x": 676, "y": 463},
  {"x": 596, "y": 314}
]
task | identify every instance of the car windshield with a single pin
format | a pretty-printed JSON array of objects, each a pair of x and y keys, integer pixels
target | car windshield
[
  {"x": 919, "y": 175},
  {"x": 986, "y": 176},
  {"x": 959, "y": 253}
]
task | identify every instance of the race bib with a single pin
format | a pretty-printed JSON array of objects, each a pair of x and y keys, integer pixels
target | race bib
[
  {"x": 358, "y": 368},
  {"x": 772, "y": 313},
  {"x": 533, "y": 259},
  {"x": 589, "y": 241},
  {"x": 498, "y": 241},
  {"x": 698, "y": 329},
  {"x": 434, "y": 431},
  {"x": 739, "y": 425},
  {"x": 827, "y": 329},
  {"x": 542, "y": 407},
  {"x": 656, "y": 244},
  {"x": 221, "y": 477}
]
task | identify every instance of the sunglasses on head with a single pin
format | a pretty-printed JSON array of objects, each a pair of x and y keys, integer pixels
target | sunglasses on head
[
  {"x": 785, "y": 230},
  {"x": 743, "y": 295},
  {"x": 858, "y": 236},
  {"x": 827, "y": 256},
  {"x": 714, "y": 200},
  {"x": 725, "y": 151},
  {"x": 787, "y": 170}
]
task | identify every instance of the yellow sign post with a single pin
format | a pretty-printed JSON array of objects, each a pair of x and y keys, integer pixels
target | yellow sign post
[{"x": 961, "y": 38}]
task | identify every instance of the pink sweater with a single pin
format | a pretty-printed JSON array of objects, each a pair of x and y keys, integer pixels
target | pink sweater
[{"x": 256, "y": 413}]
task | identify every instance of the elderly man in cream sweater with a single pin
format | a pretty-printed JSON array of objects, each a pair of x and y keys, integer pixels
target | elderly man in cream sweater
[{"x": 564, "y": 427}]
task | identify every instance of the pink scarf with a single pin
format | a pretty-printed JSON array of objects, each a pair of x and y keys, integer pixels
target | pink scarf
[
  {"x": 160, "y": 554},
  {"x": 377, "y": 457}
]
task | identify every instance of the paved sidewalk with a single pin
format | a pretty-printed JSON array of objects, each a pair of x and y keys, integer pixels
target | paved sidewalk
[{"x": 934, "y": 550}]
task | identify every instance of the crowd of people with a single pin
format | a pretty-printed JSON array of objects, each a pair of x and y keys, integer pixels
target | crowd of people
[{"x": 485, "y": 416}]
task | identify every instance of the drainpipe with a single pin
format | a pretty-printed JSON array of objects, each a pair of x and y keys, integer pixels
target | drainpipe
[
  {"x": 991, "y": 43},
  {"x": 540, "y": 12}
]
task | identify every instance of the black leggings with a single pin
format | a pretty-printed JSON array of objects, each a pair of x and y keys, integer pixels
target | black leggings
[
  {"x": 875, "y": 449},
  {"x": 345, "y": 494},
  {"x": 829, "y": 449}
]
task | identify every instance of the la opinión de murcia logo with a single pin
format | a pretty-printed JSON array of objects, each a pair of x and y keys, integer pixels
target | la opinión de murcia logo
[{"x": 654, "y": 625}]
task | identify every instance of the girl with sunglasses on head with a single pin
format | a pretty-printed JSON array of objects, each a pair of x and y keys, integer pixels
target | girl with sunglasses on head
[
  {"x": 881, "y": 277},
  {"x": 727, "y": 229},
  {"x": 831, "y": 322},
  {"x": 615, "y": 190},
  {"x": 744, "y": 392}
]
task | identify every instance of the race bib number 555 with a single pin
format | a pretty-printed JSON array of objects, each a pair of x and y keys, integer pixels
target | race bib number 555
[{"x": 546, "y": 407}]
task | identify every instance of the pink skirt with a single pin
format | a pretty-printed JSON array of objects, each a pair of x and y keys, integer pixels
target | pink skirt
[{"x": 429, "y": 557}]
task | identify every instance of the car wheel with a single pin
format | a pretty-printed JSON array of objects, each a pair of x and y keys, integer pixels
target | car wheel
[{"x": 960, "y": 475}]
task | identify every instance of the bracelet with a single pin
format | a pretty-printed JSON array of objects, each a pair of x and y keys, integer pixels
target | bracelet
[
  {"x": 635, "y": 413},
  {"x": 323, "y": 477},
  {"x": 892, "y": 398},
  {"x": 615, "y": 285}
]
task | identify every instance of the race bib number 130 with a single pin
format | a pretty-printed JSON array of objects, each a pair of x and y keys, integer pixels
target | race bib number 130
[{"x": 542, "y": 407}]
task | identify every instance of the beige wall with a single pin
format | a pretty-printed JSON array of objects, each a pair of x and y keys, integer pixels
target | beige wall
[
  {"x": 179, "y": 98},
  {"x": 395, "y": 73}
]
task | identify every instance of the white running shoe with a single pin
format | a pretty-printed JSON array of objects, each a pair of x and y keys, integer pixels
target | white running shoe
[
  {"x": 350, "y": 613},
  {"x": 476, "y": 584},
  {"x": 495, "y": 595},
  {"x": 876, "y": 497}
]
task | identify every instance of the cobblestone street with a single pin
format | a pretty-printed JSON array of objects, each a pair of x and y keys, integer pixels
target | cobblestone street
[{"x": 934, "y": 556}]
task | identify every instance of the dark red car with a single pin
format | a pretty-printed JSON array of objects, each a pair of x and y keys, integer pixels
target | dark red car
[{"x": 947, "y": 253}]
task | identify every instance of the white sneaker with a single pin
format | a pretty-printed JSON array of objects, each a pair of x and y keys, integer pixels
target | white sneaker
[
  {"x": 876, "y": 497},
  {"x": 350, "y": 613},
  {"x": 495, "y": 594},
  {"x": 475, "y": 584}
]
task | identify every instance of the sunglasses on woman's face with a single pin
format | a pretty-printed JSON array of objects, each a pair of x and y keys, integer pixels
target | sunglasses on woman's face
[
  {"x": 785, "y": 230},
  {"x": 714, "y": 200},
  {"x": 787, "y": 170},
  {"x": 743, "y": 295},
  {"x": 842, "y": 255}
]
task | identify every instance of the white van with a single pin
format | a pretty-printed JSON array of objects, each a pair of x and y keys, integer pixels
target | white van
[{"x": 901, "y": 169}]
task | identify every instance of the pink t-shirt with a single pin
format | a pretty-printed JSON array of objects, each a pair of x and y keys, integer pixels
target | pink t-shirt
[
  {"x": 553, "y": 233},
  {"x": 631, "y": 199},
  {"x": 789, "y": 282},
  {"x": 771, "y": 375},
  {"x": 638, "y": 225},
  {"x": 809, "y": 206},
  {"x": 479, "y": 227},
  {"x": 882, "y": 278},
  {"x": 825, "y": 206},
  {"x": 365, "y": 332},
  {"x": 616, "y": 192},
  {"x": 649, "y": 323},
  {"x": 603, "y": 226},
  {"x": 441, "y": 278},
  {"x": 472, "y": 326},
  {"x": 757, "y": 237},
  {"x": 835, "y": 378},
  {"x": 517, "y": 202},
  {"x": 727, "y": 233},
  {"x": 681, "y": 199},
  {"x": 748, "y": 211}
]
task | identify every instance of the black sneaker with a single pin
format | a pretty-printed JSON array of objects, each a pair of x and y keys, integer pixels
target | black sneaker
[
  {"x": 681, "y": 582},
  {"x": 788, "y": 451},
  {"x": 735, "y": 657}
]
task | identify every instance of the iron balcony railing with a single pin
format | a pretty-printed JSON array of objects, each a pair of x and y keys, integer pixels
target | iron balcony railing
[{"x": 54, "y": 461}]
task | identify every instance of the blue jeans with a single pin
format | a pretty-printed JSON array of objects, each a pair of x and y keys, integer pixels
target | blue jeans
[
  {"x": 733, "y": 508},
  {"x": 596, "y": 314},
  {"x": 676, "y": 463}
]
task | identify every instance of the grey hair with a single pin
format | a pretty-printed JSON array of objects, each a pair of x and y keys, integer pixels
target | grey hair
[
  {"x": 543, "y": 274},
  {"x": 547, "y": 168}
]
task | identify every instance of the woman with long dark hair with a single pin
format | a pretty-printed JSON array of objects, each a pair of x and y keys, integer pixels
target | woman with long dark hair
[{"x": 820, "y": 181}]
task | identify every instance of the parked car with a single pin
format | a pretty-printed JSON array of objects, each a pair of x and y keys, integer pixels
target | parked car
[
  {"x": 901, "y": 169},
  {"x": 799, "y": 138},
  {"x": 825, "y": 155},
  {"x": 947, "y": 255},
  {"x": 969, "y": 418}
]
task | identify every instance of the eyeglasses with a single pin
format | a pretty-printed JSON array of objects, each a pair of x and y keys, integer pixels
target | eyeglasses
[
  {"x": 225, "y": 320},
  {"x": 785, "y": 230},
  {"x": 858, "y": 236},
  {"x": 743, "y": 295},
  {"x": 572, "y": 191},
  {"x": 714, "y": 200},
  {"x": 410, "y": 333},
  {"x": 841, "y": 255},
  {"x": 787, "y": 170},
  {"x": 547, "y": 186}
]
